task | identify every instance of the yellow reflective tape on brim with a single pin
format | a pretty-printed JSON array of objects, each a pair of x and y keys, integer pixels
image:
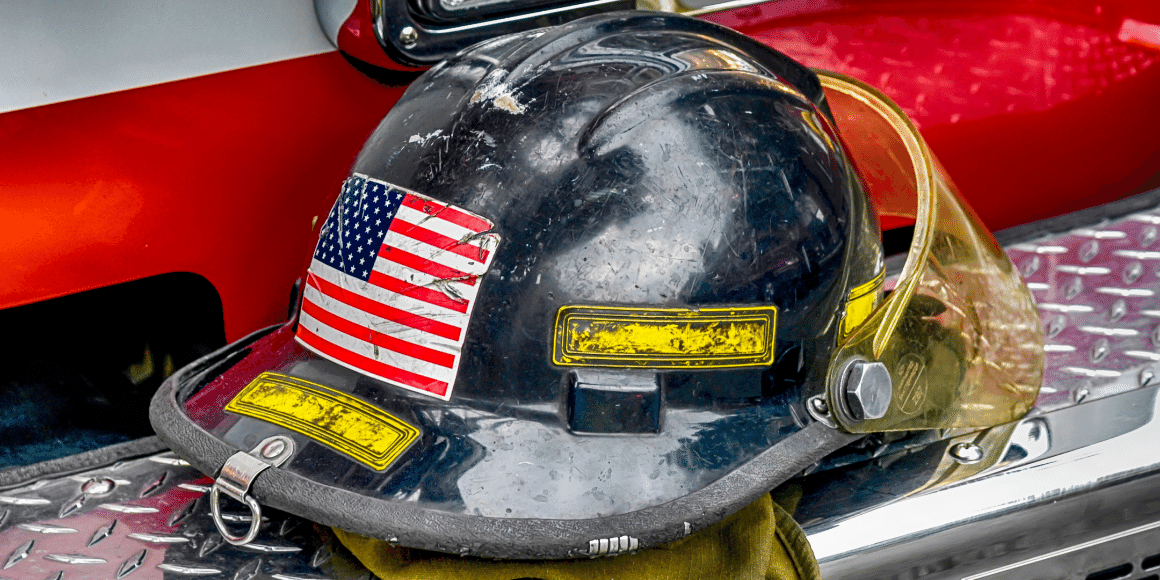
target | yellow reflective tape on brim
[
  {"x": 664, "y": 338},
  {"x": 333, "y": 418},
  {"x": 862, "y": 301},
  {"x": 960, "y": 334}
]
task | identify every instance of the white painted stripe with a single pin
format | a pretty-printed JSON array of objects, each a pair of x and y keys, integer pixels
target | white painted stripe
[
  {"x": 372, "y": 292},
  {"x": 390, "y": 327},
  {"x": 437, "y": 225},
  {"x": 385, "y": 356},
  {"x": 424, "y": 250},
  {"x": 417, "y": 278},
  {"x": 58, "y": 51}
]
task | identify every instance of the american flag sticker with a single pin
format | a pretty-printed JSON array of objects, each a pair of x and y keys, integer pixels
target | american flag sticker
[{"x": 392, "y": 284}]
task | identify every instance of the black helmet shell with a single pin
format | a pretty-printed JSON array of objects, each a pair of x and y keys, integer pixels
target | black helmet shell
[{"x": 644, "y": 162}]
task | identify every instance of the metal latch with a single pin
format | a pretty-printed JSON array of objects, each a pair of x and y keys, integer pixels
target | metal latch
[{"x": 235, "y": 478}]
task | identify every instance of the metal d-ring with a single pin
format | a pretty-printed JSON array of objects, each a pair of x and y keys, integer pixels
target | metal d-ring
[
  {"x": 255, "y": 514},
  {"x": 235, "y": 478}
]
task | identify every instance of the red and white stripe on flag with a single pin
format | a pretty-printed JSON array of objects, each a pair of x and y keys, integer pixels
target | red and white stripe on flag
[{"x": 392, "y": 285}]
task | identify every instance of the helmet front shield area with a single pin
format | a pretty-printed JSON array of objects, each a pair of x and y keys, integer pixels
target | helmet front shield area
[{"x": 959, "y": 334}]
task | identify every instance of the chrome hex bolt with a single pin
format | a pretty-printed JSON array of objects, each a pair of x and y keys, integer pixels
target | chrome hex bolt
[{"x": 868, "y": 389}]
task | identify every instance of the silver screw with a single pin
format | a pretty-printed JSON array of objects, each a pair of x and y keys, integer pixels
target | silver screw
[
  {"x": 966, "y": 453},
  {"x": 819, "y": 406},
  {"x": 868, "y": 389},
  {"x": 273, "y": 449},
  {"x": 408, "y": 36}
]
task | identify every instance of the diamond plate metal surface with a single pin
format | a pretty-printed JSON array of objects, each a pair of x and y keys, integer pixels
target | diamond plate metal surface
[
  {"x": 149, "y": 519},
  {"x": 1096, "y": 288}
]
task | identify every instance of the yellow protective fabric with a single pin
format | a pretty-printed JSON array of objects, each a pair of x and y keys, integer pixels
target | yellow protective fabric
[{"x": 760, "y": 542}]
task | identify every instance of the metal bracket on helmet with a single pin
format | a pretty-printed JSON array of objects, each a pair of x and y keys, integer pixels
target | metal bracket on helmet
[
  {"x": 235, "y": 478},
  {"x": 860, "y": 390},
  {"x": 819, "y": 409}
]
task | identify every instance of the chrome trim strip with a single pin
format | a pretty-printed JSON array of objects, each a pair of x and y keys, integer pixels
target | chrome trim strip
[{"x": 1075, "y": 548}]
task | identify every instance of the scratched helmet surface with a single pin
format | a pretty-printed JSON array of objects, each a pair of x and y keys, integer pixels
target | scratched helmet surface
[{"x": 572, "y": 300}]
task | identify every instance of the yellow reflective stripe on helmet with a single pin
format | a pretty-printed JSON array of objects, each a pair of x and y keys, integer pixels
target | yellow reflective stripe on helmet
[
  {"x": 664, "y": 338},
  {"x": 863, "y": 299},
  {"x": 331, "y": 417}
]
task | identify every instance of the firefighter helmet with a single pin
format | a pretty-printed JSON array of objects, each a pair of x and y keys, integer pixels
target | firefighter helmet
[{"x": 593, "y": 287}]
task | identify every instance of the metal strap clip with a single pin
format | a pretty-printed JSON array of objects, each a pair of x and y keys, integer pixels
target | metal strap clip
[{"x": 235, "y": 478}]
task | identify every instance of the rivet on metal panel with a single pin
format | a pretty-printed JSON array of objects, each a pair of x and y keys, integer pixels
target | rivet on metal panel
[
  {"x": 21, "y": 552},
  {"x": 75, "y": 559},
  {"x": 1031, "y": 266},
  {"x": 1148, "y": 235},
  {"x": 189, "y": 570},
  {"x": 102, "y": 533},
  {"x": 288, "y": 526},
  {"x": 272, "y": 548},
  {"x": 128, "y": 509},
  {"x": 1146, "y": 377},
  {"x": 131, "y": 564},
  {"x": 1118, "y": 310},
  {"x": 159, "y": 538},
  {"x": 98, "y": 486},
  {"x": 210, "y": 545},
  {"x": 154, "y": 485},
  {"x": 1132, "y": 272},
  {"x": 966, "y": 453},
  {"x": 1089, "y": 251},
  {"x": 249, "y": 571},
  {"x": 1056, "y": 326},
  {"x": 1073, "y": 288},
  {"x": 322, "y": 556},
  {"x": 11, "y": 500},
  {"x": 180, "y": 515},
  {"x": 71, "y": 507},
  {"x": 1100, "y": 350},
  {"x": 1080, "y": 395},
  {"x": 46, "y": 528}
]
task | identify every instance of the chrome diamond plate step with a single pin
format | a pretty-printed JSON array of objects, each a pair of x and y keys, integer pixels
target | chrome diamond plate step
[
  {"x": 1072, "y": 493},
  {"x": 149, "y": 519},
  {"x": 1097, "y": 294}
]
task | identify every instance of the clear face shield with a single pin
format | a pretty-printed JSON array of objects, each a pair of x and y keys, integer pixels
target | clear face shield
[{"x": 959, "y": 336}]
